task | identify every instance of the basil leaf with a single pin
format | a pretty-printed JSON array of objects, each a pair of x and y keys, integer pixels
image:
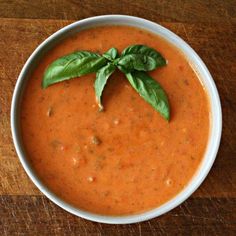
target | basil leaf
[
  {"x": 138, "y": 62},
  {"x": 101, "y": 79},
  {"x": 141, "y": 58},
  {"x": 111, "y": 54},
  {"x": 147, "y": 51},
  {"x": 151, "y": 91},
  {"x": 73, "y": 65}
]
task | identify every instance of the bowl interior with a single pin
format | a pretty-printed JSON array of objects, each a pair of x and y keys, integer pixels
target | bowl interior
[{"x": 199, "y": 67}]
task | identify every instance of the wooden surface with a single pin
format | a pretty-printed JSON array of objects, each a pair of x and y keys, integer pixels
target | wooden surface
[{"x": 208, "y": 26}]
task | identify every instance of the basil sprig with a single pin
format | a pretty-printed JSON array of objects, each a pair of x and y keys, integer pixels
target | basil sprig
[{"x": 134, "y": 62}]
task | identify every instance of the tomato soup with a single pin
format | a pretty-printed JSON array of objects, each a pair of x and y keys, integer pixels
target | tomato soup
[{"x": 126, "y": 159}]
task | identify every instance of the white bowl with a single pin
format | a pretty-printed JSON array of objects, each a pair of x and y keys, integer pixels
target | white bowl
[{"x": 204, "y": 75}]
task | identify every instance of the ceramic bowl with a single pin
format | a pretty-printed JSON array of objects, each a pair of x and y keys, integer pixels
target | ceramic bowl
[{"x": 204, "y": 76}]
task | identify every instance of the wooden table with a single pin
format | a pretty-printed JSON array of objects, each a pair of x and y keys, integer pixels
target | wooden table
[{"x": 208, "y": 26}]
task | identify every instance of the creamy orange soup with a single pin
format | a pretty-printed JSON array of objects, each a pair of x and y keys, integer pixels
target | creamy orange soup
[{"x": 127, "y": 159}]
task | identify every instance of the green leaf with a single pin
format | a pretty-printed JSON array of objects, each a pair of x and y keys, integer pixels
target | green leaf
[
  {"x": 141, "y": 58},
  {"x": 138, "y": 62},
  {"x": 101, "y": 79},
  {"x": 147, "y": 51},
  {"x": 151, "y": 91},
  {"x": 111, "y": 54},
  {"x": 71, "y": 66}
]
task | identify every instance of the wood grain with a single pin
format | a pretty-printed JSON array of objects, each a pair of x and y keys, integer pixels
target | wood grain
[
  {"x": 208, "y": 26},
  {"x": 35, "y": 215},
  {"x": 168, "y": 11}
]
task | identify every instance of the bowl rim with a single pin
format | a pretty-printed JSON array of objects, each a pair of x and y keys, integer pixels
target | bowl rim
[{"x": 214, "y": 138}]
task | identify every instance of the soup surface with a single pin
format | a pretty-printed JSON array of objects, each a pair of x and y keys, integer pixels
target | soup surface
[{"x": 127, "y": 159}]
